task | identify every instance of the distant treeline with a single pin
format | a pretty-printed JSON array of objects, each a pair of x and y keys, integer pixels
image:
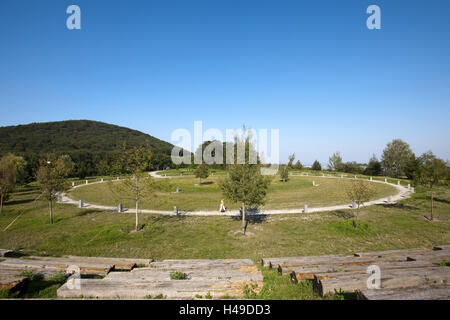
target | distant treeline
[{"x": 87, "y": 164}]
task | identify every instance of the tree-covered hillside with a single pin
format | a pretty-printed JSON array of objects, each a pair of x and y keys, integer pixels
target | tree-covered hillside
[
  {"x": 74, "y": 135},
  {"x": 92, "y": 146}
]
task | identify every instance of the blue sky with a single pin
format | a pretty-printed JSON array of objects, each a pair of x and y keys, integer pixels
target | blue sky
[{"x": 309, "y": 68}]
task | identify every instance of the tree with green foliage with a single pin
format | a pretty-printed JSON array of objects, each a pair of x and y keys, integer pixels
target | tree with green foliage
[
  {"x": 8, "y": 175},
  {"x": 68, "y": 163},
  {"x": 373, "y": 167},
  {"x": 103, "y": 167},
  {"x": 431, "y": 172},
  {"x": 201, "y": 172},
  {"x": 351, "y": 167},
  {"x": 51, "y": 177},
  {"x": 359, "y": 191},
  {"x": 298, "y": 165},
  {"x": 138, "y": 184},
  {"x": 291, "y": 161},
  {"x": 395, "y": 157},
  {"x": 284, "y": 172},
  {"x": 244, "y": 182},
  {"x": 335, "y": 161},
  {"x": 412, "y": 167},
  {"x": 316, "y": 166}
]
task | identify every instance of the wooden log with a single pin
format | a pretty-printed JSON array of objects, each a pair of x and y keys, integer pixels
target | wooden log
[
  {"x": 58, "y": 265},
  {"x": 389, "y": 279},
  {"x": 241, "y": 264},
  {"x": 217, "y": 277},
  {"x": 425, "y": 292},
  {"x": 117, "y": 262},
  {"x": 435, "y": 256},
  {"x": 308, "y": 272},
  {"x": 275, "y": 262},
  {"x": 392, "y": 253},
  {"x": 338, "y": 262},
  {"x": 21, "y": 271},
  {"x": 171, "y": 289},
  {"x": 206, "y": 262},
  {"x": 158, "y": 275}
]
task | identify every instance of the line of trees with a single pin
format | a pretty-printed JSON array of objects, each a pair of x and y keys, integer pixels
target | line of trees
[
  {"x": 86, "y": 163},
  {"x": 397, "y": 161}
]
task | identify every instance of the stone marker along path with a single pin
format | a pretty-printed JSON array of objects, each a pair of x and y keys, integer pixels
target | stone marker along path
[
  {"x": 404, "y": 274},
  {"x": 403, "y": 193}
]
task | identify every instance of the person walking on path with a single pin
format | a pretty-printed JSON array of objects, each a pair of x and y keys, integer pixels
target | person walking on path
[{"x": 222, "y": 206}]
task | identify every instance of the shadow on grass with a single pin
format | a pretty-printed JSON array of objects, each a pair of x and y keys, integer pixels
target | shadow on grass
[
  {"x": 14, "y": 202},
  {"x": 398, "y": 206},
  {"x": 342, "y": 214},
  {"x": 442, "y": 200},
  {"x": 132, "y": 228},
  {"x": 40, "y": 288},
  {"x": 206, "y": 183},
  {"x": 252, "y": 218},
  {"x": 86, "y": 212}
]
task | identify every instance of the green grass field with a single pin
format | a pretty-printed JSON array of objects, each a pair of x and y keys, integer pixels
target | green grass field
[
  {"x": 295, "y": 193},
  {"x": 99, "y": 233}
]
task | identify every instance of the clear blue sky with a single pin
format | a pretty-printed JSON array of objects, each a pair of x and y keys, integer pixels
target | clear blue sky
[{"x": 309, "y": 68}]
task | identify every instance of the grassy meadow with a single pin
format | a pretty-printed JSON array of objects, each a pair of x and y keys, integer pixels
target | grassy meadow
[
  {"x": 24, "y": 226},
  {"x": 101, "y": 233},
  {"x": 295, "y": 193}
]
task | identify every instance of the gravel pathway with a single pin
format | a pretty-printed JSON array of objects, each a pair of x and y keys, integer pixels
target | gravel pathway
[{"x": 403, "y": 193}]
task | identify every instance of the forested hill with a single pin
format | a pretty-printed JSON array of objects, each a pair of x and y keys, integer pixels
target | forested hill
[
  {"x": 93, "y": 146},
  {"x": 74, "y": 136}
]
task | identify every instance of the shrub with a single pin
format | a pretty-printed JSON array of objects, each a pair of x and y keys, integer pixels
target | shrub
[{"x": 176, "y": 275}]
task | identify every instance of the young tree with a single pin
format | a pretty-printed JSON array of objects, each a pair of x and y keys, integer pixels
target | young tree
[
  {"x": 412, "y": 167},
  {"x": 298, "y": 165},
  {"x": 138, "y": 184},
  {"x": 291, "y": 160},
  {"x": 7, "y": 179},
  {"x": 284, "y": 172},
  {"x": 316, "y": 166},
  {"x": 335, "y": 161},
  {"x": 201, "y": 172},
  {"x": 431, "y": 172},
  {"x": 244, "y": 183},
  {"x": 51, "y": 177},
  {"x": 360, "y": 192},
  {"x": 103, "y": 167},
  {"x": 395, "y": 157},
  {"x": 20, "y": 166},
  {"x": 68, "y": 163}
]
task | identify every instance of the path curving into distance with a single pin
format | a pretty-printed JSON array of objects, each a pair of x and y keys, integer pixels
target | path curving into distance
[{"x": 403, "y": 193}]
